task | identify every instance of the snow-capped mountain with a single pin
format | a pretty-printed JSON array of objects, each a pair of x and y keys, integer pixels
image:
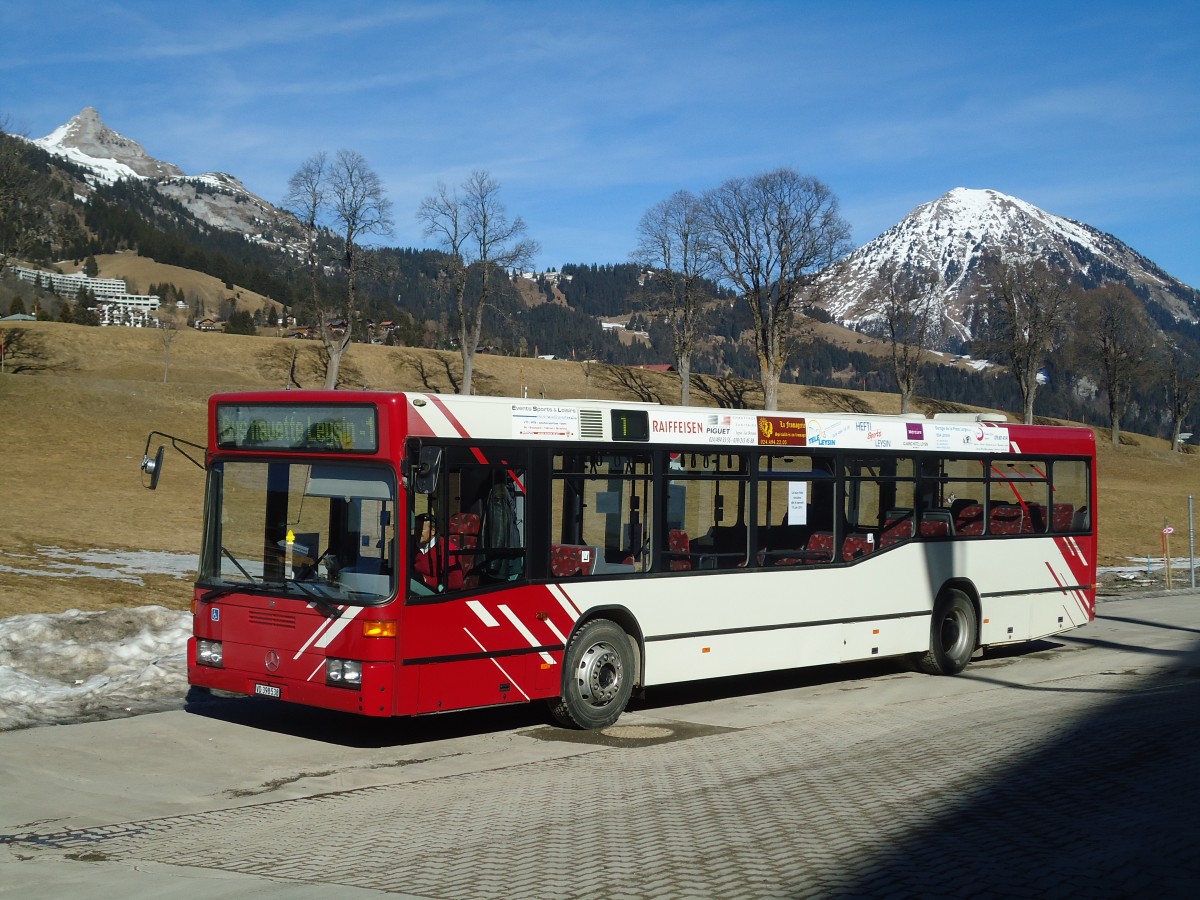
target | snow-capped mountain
[
  {"x": 89, "y": 143},
  {"x": 955, "y": 233},
  {"x": 215, "y": 198}
]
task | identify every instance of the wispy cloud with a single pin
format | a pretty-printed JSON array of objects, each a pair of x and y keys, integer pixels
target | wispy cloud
[
  {"x": 589, "y": 113},
  {"x": 154, "y": 32}
]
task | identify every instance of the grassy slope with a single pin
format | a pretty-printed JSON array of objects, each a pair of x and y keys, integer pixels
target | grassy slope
[
  {"x": 140, "y": 272},
  {"x": 73, "y": 440}
]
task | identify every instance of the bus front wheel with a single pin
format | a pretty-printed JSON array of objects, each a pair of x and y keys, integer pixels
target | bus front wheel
[
  {"x": 952, "y": 633},
  {"x": 598, "y": 674}
]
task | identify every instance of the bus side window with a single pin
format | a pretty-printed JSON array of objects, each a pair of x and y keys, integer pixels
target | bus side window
[
  {"x": 601, "y": 505},
  {"x": 1069, "y": 492},
  {"x": 708, "y": 500},
  {"x": 876, "y": 488},
  {"x": 502, "y": 533},
  {"x": 794, "y": 503},
  {"x": 1018, "y": 496},
  {"x": 480, "y": 507}
]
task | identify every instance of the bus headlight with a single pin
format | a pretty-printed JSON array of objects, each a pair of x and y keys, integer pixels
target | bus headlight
[
  {"x": 208, "y": 653},
  {"x": 345, "y": 673}
]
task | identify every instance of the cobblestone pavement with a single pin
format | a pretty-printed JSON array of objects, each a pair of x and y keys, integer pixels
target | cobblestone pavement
[{"x": 1081, "y": 784}]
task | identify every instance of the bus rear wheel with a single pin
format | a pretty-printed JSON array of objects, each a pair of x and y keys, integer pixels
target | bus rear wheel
[
  {"x": 952, "y": 632},
  {"x": 598, "y": 674}
]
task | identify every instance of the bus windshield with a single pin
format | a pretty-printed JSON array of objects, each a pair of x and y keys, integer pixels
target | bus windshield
[{"x": 320, "y": 530}]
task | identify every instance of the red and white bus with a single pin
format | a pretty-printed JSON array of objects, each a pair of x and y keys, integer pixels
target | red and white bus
[{"x": 583, "y": 550}]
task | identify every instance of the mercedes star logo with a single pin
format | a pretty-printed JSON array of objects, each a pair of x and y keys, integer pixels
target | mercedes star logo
[{"x": 272, "y": 661}]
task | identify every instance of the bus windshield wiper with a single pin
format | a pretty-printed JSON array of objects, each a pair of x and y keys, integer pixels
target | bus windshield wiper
[
  {"x": 232, "y": 587},
  {"x": 323, "y": 603}
]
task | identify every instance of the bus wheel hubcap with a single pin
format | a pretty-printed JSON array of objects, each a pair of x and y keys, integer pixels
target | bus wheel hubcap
[{"x": 600, "y": 674}]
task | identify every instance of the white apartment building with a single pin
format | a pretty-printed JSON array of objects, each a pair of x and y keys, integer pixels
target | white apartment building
[{"x": 113, "y": 290}]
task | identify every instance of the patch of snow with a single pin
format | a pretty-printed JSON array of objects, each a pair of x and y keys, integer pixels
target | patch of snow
[
  {"x": 107, "y": 170},
  {"x": 126, "y": 566},
  {"x": 82, "y": 666},
  {"x": 1143, "y": 565}
]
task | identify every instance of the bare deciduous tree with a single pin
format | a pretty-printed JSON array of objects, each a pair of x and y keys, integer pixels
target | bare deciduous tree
[
  {"x": 346, "y": 192},
  {"x": 359, "y": 208},
  {"x": 1117, "y": 340},
  {"x": 670, "y": 247},
  {"x": 307, "y": 200},
  {"x": 1179, "y": 367},
  {"x": 907, "y": 301},
  {"x": 480, "y": 241},
  {"x": 1026, "y": 312},
  {"x": 168, "y": 330},
  {"x": 768, "y": 236}
]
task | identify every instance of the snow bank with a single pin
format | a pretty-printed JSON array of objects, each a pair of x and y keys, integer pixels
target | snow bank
[{"x": 81, "y": 666}]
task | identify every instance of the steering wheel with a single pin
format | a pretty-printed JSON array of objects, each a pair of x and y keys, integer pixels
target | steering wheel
[{"x": 311, "y": 571}]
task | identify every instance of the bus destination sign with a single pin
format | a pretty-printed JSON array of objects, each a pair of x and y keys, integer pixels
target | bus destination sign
[{"x": 326, "y": 428}]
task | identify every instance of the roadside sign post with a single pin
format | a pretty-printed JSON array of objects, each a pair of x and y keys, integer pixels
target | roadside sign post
[
  {"x": 1166, "y": 535},
  {"x": 1191, "y": 541}
]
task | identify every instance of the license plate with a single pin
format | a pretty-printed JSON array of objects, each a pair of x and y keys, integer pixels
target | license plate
[{"x": 267, "y": 690}]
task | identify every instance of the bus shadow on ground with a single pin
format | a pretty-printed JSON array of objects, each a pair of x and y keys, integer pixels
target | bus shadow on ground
[
  {"x": 360, "y": 732},
  {"x": 534, "y": 719},
  {"x": 1106, "y": 809}
]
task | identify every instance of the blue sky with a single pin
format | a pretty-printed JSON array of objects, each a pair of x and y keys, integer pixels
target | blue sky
[{"x": 589, "y": 113}]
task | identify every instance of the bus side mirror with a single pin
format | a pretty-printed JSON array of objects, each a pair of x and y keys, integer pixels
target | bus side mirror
[
  {"x": 429, "y": 466},
  {"x": 153, "y": 467}
]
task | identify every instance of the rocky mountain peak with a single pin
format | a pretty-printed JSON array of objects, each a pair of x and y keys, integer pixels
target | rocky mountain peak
[
  {"x": 217, "y": 199},
  {"x": 86, "y": 140}
]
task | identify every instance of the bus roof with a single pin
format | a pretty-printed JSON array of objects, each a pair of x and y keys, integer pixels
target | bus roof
[{"x": 614, "y": 421}]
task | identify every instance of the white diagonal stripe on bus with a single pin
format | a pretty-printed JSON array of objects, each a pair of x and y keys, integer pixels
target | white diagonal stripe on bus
[
  {"x": 1077, "y": 595},
  {"x": 440, "y": 420},
  {"x": 484, "y": 616},
  {"x": 325, "y": 623},
  {"x": 1081, "y": 602},
  {"x": 558, "y": 634},
  {"x": 525, "y": 632},
  {"x": 565, "y": 602},
  {"x": 337, "y": 627},
  {"x": 496, "y": 663},
  {"x": 319, "y": 667}
]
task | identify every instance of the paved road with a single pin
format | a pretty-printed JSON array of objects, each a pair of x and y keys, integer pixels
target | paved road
[{"x": 1067, "y": 768}]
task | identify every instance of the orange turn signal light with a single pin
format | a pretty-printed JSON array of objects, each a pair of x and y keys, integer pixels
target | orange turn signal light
[{"x": 382, "y": 628}]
